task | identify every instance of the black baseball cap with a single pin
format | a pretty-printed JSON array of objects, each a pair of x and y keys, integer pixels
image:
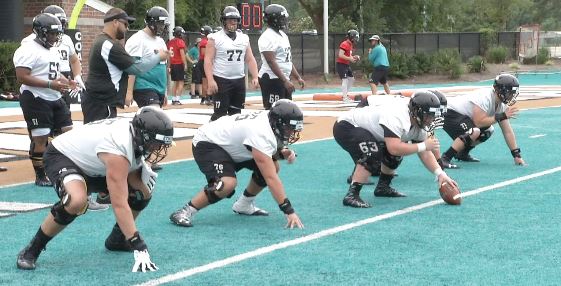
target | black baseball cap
[{"x": 116, "y": 14}]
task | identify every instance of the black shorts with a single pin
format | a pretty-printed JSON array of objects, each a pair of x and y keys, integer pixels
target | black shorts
[
  {"x": 213, "y": 161},
  {"x": 456, "y": 124},
  {"x": 272, "y": 89},
  {"x": 343, "y": 70},
  {"x": 201, "y": 68},
  {"x": 93, "y": 110},
  {"x": 230, "y": 98},
  {"x": 146, "y": 97},
  {"x": 177, "y": 72},
  {"x": 358, "y": 142},
  {"x": 40, "y": 113},
  {"x": 55, "y": 164},
  {"x": 197, "y": 76},
  {"x": 379, "y": 75}
]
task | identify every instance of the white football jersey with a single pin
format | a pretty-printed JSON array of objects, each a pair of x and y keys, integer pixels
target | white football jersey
[
  {"x": 140, "y": 45},
  {"x": 393, "y": 115},
  {"x": 66, "y": 49},
  {"x": 43, "y": 63},
  {"x": 83, "y": 144},
  {"x": 229, "y": 60},
  {"x": 483, "y": 98},
  {"x": 271, "y": 41},
  {"x": 234, "y": 133}
]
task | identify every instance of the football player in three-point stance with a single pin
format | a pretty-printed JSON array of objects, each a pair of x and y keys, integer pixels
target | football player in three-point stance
[
  {"x": 276, "y": 68},
  {"x": 254, "y": 141},
  {"x": 111, "y": 155},
  {"x": 227, "y": 52},
  {"x": 382, "y": 133},
  {"x": 37, "y": 65},
  {"x": 470, "y": 119}
]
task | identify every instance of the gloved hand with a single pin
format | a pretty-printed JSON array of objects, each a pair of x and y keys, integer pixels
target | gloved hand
[
  {"x": 148, "y": 177},
  {"x": 141, "y": 257}
]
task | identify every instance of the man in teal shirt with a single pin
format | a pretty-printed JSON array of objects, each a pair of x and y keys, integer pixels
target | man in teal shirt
[
  {"x": 378, "y": 57},
  {"x": 196, "y": 76}
]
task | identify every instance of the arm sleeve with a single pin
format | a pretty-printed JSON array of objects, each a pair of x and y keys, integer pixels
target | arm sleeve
[{"x": 143, "y": 65}]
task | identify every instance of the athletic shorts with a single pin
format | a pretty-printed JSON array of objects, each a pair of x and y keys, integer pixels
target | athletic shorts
[
  {"x": 177, "y": 72},
  {"x": 197, "y": 77},
  {"x": 213, "y": 161},
  {"x": 358, "y": 142},
  {"x": 41, "y": 113},
  {"x": 230, "y": 98},
  {"x": 343, "y": 70},
  {"x": 379, "y": 75},
  {"x": 272, "y": 89},
  {"x": 94, "y": 111},
  {"x": 146, "y": 97}
]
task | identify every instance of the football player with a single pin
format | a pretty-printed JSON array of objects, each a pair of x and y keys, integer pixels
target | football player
[
  {"x": 108, "y": 154},
  {"x": 37, "y": 65},
  {"x": 344, "y": 58},
  {"x": 470, "y": 119},
  {"x": 254, "y": 141},
  {"x": 383, "y": 133},
  {"x": 277, "y": 67},
  {"x": 227, "y": 52},
  {"x": 178, "y": 63},
  {"x": 205, "y": 31}
]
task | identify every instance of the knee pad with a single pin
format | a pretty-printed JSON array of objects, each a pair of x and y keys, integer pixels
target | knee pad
[
  {"x": 258, "y": 179},
  {"x": 67, "y": 175},
  {"x": 371, "y": 163},
  {"x": 485, "y": 134},
  {"x": 136, "y": 200},
  {"x": 466, "y": 138},
  {"x": 60, "y": 214},
  {"x": 214, "y": 185},
  {"x": 390, "y": 160}
]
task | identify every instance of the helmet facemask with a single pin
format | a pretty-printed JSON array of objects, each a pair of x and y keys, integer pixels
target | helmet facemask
[
  {"x": 507, "y": 94},
  {"x": 427, "y": 120},
  {"x": 152, "y": 133}
]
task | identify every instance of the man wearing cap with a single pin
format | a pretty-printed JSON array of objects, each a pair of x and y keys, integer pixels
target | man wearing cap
[{"x": 378, "y": 56}]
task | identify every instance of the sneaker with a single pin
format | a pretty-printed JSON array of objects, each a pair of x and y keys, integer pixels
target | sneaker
[
  {"x": 103, "y": 198},
  {"x": 209, "y": 102},
  {"x": 248, "y": 208},
  {"x": 466, "y": 157},
  {"x": 354, "y": 200},
  {"x": 93, "y": 205},
  {"x": 43, "y": 182},
  {"x": 116, "y": 241},
  {"x": 182, "y": 217},
  {"x": 156, "y": 167},
  {"x": 444, "y": 163},
  {"x": 175, "y": 102},
  {"x": 26, "y": 259},
  {"x": 193, "y": 96},
  {"x": 387, "y": 191}
]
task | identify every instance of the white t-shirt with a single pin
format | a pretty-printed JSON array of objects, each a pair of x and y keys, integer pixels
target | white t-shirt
[
  {"x": 483, "y": 98},
  {"x": 66, "y": 49},
  {"x": 234, "y": 133},
  {"x": 271, "y": 41},
  {"x": 83, "y": 144},
  {"x": 43, "y": 63},
  {"x": 229, "y": 60},
  {"x": 392, "y": 115},
  {"x": 140, "y": 45}
]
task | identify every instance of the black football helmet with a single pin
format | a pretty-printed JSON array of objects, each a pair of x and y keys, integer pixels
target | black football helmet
[
  {"x": 152, "y": 132},
  {"x": 287, "y": 120},
  {"x": 230, "y": 12},
  {"x": 178, "y": 32},
  {"x": 205, "y": 30},
  {"x": 157, "y": 20},
  {"x": 424, "y": 108},
  {"x": 353, "y": 35},
  {"x": 506, "y": 86},
  {"x": 48, "y": 30},
  {"x": 59, "y": 13},
  {"x": 276, "y": 17}
]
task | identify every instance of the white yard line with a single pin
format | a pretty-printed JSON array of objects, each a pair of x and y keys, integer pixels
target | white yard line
[{"x": 331, "y": 231}]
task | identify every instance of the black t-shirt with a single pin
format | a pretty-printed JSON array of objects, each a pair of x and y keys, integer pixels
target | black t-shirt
[{"x": 107, "y": 81}]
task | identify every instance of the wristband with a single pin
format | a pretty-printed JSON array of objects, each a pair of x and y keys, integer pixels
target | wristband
[
  {"x": 500, "y": 116},
  {"x": 515, "y": 153},
  {"x": 48, "y": 84},
  {"x": 437, "y": 173},
  {"x": 286, "y": 207},
  {"x": 421, "y": 147},
  {"x": 137, "y": 242}
]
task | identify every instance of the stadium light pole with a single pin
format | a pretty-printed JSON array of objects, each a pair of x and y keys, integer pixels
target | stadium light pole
[
  {"x": 325, "y": 41},
  {"x": 171, "y": 18}
]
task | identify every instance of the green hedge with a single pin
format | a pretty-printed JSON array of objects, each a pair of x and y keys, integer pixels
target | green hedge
[{"x": 8, "y": 81}]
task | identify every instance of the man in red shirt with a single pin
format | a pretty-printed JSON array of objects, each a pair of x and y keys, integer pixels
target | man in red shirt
[
  {"x": 345, "y": 57},
  {"x": 176, "y": 47},
  {"x": 205, "y": 30}
]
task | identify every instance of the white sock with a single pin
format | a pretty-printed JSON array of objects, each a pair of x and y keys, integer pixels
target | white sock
[
  {"x": 246, "y": 199},
  {"x": 344, "y": 87},
  {"x": 193, "y": 210},
  {"x": 350, "y": 82}
]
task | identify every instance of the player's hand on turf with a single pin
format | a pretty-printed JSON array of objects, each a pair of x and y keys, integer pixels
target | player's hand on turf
[
  {"x": 142, "y": 261},
  {"x": 432, "y": 143},
  {"x": 293, "y": 221},
  {"x": 511, "y": 112},
  {"x": 443, "y": 178},
  {"x": 519, "y": 162}
]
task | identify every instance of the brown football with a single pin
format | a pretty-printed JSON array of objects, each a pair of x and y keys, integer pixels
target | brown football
[{"x": 450, "y": 194}]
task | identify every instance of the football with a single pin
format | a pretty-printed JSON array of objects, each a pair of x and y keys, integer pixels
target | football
[{"x": 450, "y": 194}]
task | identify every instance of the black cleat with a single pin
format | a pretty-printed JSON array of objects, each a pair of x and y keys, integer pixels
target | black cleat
[
  {"x": 466, "y": 157},
  {"x": 116, "y": 241},
  {"x": 354, "y": 200},
  {"x": 26, "y": 259},
  {"x": 350, "y": 180},
  {"x": 43, "y": 182},
  {"x": 387, "y": 191},
  {"x": 444, "y": 163},
  {"x": 103, "y": 198}
]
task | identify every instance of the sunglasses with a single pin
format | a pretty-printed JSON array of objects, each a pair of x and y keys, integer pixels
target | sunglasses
[{"x": 126, "y": 23}]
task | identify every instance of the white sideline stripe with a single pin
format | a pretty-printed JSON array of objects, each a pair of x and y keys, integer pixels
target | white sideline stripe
[
  {"x": 21, "y": 207},
  {"x": 537, "y": 136},
  {"x": 6, "y": 214},
  {"x": 330, "y": 231}
]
